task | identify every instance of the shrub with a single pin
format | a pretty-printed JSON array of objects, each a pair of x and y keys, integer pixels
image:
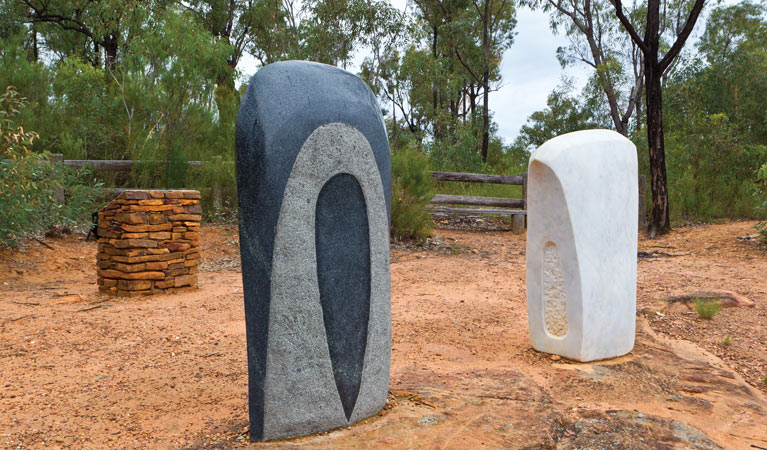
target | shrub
[
  {"x": 412, "y": 188},
  {"x": 761, "y": 201},
  {"x": 706, "y": 309},
  {"x": 28, "y": 203},
  {"x": 727, "y": 341}
]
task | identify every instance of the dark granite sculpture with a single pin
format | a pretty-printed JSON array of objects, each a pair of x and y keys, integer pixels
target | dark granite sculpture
[{"x": 314, "y": 187}]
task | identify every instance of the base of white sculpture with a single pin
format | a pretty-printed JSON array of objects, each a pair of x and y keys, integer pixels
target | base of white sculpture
[{"x": 581, "y": 245}]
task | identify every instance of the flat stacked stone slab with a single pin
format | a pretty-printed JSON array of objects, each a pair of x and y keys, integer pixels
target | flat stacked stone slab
[{"x": 149, "y": 242}]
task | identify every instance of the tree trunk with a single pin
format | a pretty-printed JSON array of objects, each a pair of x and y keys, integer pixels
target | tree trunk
[
  {"x": 393, "y": 126},
  {"x": 472, "y": 103},
  {"x": 638, "y": 104},
  {"x": 435, "y": 31},
  {"x": 654, "y": 69},
  {"x": 659, "y": 223},
  {"x": 110, "y": 50},
  {"x": 35, "y": 48},
  {"x": 486, "y": 81},
  {"x": 486, "y": 116}
]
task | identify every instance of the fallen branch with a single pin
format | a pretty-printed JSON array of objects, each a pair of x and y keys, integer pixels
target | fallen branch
[
  {"x": 656, "y": 253},
  {"x": 413, "y": 397},
  {"x": 43, "y": 243},
  {"x": 103, "y": 300},
  {"x": 25, "y": 303},
  {"x": 91, "y": 308},
  {"x": 725, "y": 298},
  {"x": 18, "y": 318}
]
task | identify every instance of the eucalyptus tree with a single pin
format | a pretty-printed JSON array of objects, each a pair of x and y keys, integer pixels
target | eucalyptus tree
[
  {"x": 383, "y": 70},
  {"x": 461, "y": 43},
  {"x": 596, "y": 39},
  {"x": 170, "y": 76},
  {"x": 255, "y": 26},
  {"x": 496, "y": 23},
  {"x": 677, "y": 30},
  {"x": 733, "y": 82},
  {"x": 274, "y": 31},
  {"x": 564, "y": 113},
  {"x": 88, "y": 28},
  {"x": 714, "y": 117},
  {"x": 330, "y": 31}
]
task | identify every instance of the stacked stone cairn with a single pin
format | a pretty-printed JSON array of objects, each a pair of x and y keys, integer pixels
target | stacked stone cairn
[{"x": 149, "y": 243}]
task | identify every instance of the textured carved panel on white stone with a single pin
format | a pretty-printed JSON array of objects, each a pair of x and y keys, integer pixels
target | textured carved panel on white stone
[
  {"x": 581, "y": 245},
  {"x": 554, "y": 296}
]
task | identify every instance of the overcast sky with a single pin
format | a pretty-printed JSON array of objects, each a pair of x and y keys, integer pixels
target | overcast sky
[{"x": 530, "y": 71}]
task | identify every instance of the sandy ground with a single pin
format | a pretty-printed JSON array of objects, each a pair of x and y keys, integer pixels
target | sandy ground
[{"x": 79, "y": 370}]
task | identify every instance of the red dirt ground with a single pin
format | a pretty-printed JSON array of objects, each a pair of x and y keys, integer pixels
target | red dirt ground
[{"x": 79, "y": 370}]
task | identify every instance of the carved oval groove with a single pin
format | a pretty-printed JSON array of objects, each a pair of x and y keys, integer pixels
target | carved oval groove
[{"x": 342, "y": 241}]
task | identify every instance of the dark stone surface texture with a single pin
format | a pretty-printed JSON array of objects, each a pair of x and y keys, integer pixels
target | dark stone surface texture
[
  {"x": 343, "y": 275},
  {"x": 284, "y": 104}
]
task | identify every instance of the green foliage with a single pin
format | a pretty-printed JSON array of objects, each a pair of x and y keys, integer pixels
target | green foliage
[
  {"x": 761, "y": 201},
  {"x": 155, "y": 82},
  {"x": 706, "y": 309},
  {"x": 412, "y": 189},
  {"x": 457, "y": 152},
  {"x": 28, "y": 203},
  {"x": 710, "y": 170},
  {"x": 564, "y": 113},
  {"x": 714, "y": 120},
  {"x": 438, "y": 79},
  {"x": 14, "y": 140},
  {"x": 596, "y": 37},
  {"x": 727, "y": 341}
]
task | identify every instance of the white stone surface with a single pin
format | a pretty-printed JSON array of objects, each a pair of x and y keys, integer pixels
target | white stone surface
[{"x": 582, "y": 245}]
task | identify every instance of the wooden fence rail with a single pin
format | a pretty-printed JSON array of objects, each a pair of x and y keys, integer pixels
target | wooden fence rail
[
  {"x": 117, "y": 165},
  {"x": 478, "y": 178},
  {"x": 442, "y": 199},
  {"x": 515, "y": 207}
]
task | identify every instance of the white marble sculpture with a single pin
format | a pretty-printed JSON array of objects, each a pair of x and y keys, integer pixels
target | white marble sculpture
[{"x": 582, "y": 245}]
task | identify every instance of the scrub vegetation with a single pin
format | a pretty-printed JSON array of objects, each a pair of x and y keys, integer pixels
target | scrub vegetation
[{"x": 160, "y": 82}]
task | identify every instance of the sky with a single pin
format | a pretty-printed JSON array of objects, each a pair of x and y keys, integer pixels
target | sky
[{"x": 529, "y": 72}]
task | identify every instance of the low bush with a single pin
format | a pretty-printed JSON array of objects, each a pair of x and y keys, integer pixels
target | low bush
[
  {"x": 29, "y": 180},
  {"x": 761, "y": 201},
  {"x": 412, "y": 189},
  {"x": 706, "y": 309}
]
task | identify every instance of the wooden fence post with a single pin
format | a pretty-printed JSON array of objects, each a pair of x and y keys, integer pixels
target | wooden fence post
[
  {"x": 57, "y": 159},
  {"x": 519, "y": 221},
  {"x": 642, "y": 207},
  {"x": 217, "y": 197}
]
